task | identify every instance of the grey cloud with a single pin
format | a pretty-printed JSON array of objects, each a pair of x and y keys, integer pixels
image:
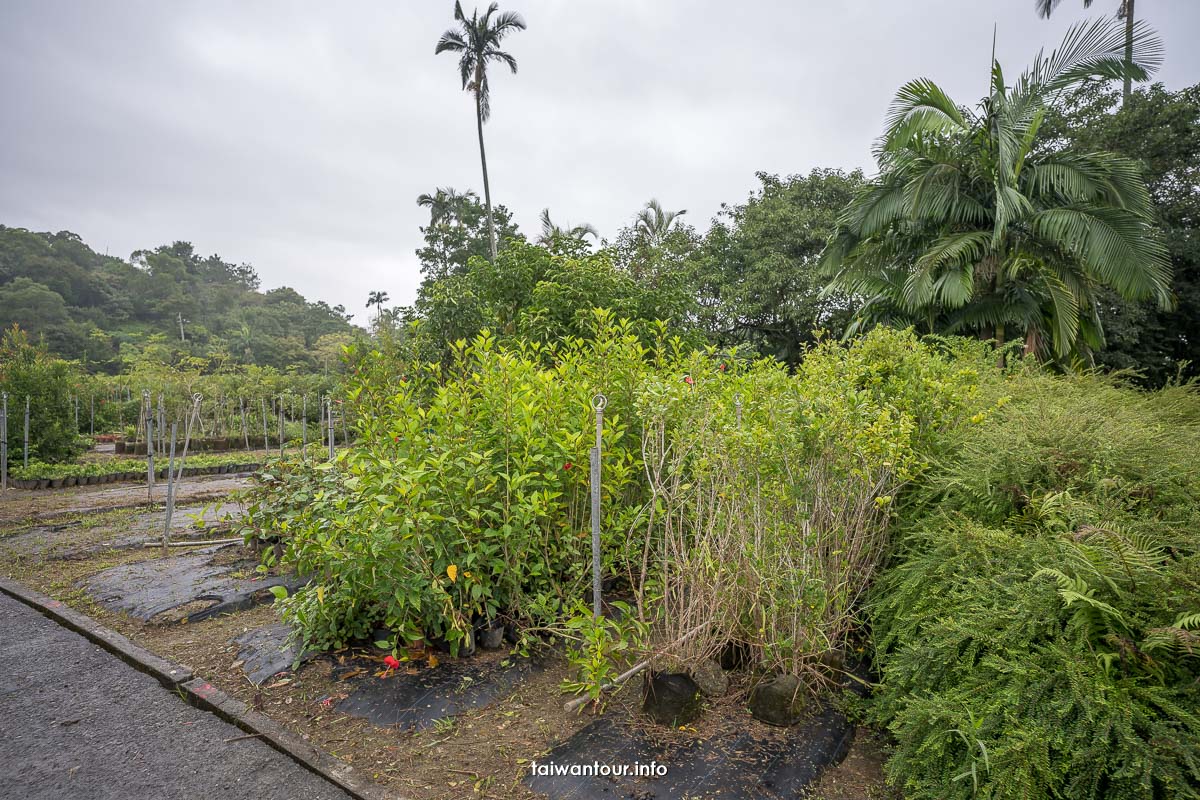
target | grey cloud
[{"x": 296, "y": 136}]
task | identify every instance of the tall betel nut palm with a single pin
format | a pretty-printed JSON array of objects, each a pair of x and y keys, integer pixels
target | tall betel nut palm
[
  {"x": 478, "y": 41},
  {"x": 971, "y": 226}
]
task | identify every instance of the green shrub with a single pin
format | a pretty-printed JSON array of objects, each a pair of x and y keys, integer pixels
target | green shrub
[
  {"x": 767, "y": 528},
  {"x": 1036, "y": 632},
  {"x": 30, "y": 372},
  {"x": 467, "y": 496}
]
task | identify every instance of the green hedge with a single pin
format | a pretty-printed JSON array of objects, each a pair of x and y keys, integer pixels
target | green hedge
[{"x": 1037, "y": 632}]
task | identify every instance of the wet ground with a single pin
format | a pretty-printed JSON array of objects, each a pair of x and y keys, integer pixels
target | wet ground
[{"x": 436, "y": 727}]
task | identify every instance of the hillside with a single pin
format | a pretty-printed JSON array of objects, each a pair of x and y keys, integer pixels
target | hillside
[{"x": 107, "y": 312}]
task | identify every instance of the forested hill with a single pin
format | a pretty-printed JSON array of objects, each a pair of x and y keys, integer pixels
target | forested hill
[{"x": 108, "y": 312}]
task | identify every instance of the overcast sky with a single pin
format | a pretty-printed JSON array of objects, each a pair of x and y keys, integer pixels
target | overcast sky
[{"x": 296, "y": 136}]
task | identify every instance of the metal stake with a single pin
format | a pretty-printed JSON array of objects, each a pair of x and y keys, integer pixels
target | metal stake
[
  {"x": 329, "y": 419},
  {"x": 149, "y": 446},
  {"x": 4, "y": 442},
  {"x": 166, "y": 540},
  {"x": 245, "y": 428},
  {"x": 598, "y": 404},
  {"x": 26, "y": 430}
]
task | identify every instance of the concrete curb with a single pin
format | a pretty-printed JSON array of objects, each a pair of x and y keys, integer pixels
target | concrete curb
[{"x": 202, "y": 694}]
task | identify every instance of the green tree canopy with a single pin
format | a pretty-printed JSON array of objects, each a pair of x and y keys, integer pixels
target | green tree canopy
[
  {"x": 1159, "y": 129},
  {"x": 971, "y": 227},
  {"x": 757, "y": 273}
]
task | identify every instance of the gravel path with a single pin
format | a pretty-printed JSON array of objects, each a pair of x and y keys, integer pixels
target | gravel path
[{"x": 77, "y": 722}]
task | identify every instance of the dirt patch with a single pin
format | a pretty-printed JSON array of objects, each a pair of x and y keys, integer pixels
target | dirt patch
[
  {"x": 23, "y": 506},
  {"x": 860, "y": 776}
]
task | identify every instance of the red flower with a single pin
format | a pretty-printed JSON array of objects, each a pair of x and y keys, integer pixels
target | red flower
[
  {"x": 688, "y": 380},
  {"x": 568, "y": 465},
  {"x": 391, "y": 662},
  {"x": 722, "y": 367}
]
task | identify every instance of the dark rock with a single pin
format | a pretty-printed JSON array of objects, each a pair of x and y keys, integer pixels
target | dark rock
[
  {"x": 671, "y": 698},
  {"x": 711, "y": 679},
  {"x": 834, "y": 659},
  {"x": 778, "y": 701}
]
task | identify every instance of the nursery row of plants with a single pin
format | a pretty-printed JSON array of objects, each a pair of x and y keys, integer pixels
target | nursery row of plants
[
  {"x": 40, "y": 475},
  {"x": 239, "y": 406},
  {"x": 1014, "y": 547}
]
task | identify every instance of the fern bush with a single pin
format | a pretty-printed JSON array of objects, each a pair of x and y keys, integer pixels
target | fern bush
[{"x": 1038, "y": 628}]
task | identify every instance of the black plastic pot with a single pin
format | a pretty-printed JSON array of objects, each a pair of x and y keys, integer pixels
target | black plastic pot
[{"x": 671, "y": 698}]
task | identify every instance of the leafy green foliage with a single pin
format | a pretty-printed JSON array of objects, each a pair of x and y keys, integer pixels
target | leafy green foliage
[
  {"x": 107, "y": 312},
  {"x": 467, "y": 498},
  {"x": 756, "y": 273},
  {"x": 532, "y": 293},
  {"x": 970, "y": 228},
  {"x": 772, "y": 493},
  {"x": 27, "y": 371},
  {"x": 458, "y": 233},
  {"x": 1036, "y": 632},
  {"x": 1160, "y": 130}
]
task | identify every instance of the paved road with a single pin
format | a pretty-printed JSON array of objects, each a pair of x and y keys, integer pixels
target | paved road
[{"x": 77, "y": 722}]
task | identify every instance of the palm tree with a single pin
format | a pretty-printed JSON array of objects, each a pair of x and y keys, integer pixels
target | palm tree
[
  {"x": 550, "y": 231},
  {"x": 970, "y": 226},
  {"x": 377, "y": 299},
  {"x": 653, "y": 224},
  {"x": 1046, "y": 7},
  {"x": 446, "y": 204},
  {"x": 478, "y": 40}
]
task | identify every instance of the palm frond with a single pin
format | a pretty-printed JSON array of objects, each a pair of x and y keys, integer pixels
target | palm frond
[
  {"x": 1123, "y": 251},
  {"x": 920, "y": 107}
]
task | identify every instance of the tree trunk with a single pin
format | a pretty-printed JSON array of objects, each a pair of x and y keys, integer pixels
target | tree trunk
[
  {"x": 487, "y": 191},
  {"x": 1128, "y": 51}
]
